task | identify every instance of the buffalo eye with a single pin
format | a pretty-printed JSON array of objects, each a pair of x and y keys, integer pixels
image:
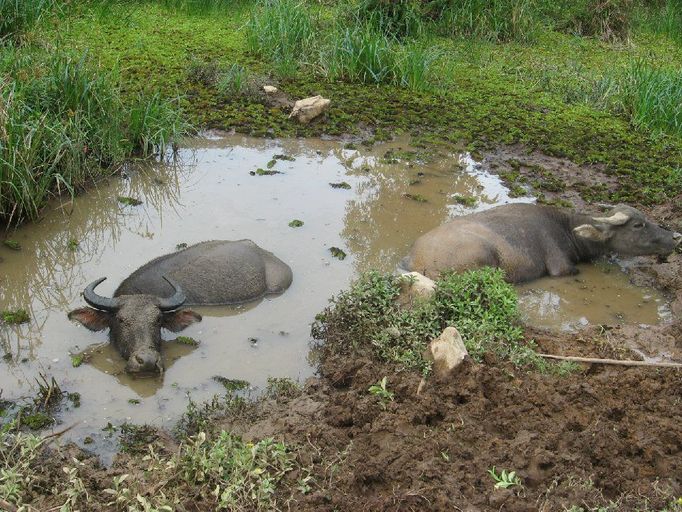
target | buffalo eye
[{"x": 638, "y": 225}]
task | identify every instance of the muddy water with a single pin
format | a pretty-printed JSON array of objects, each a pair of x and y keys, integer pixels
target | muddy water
[{"x": 210, "y": 193}]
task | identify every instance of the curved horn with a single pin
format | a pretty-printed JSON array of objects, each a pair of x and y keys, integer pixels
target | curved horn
[
  {"x": 174, "y": 302},
  {"x": 97, "y": 301},
  {"x": 617, "y": 219}
]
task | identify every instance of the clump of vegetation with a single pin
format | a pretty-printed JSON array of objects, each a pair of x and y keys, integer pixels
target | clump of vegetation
[
  {"x": 18, "y": 454},
  {"x": 480, "y": 303},
  {"x": 129, "y": 201},
  {"x": 77, "y": 360},
  {"x": 19, "y": 316},
  {"x": 282, "y": 387},
  {"x": 136, "y": 438},
  {"x": 295, "y": 223},
  {"x": 264, "y": 172},
  {"x": 343, "y": 184},
  {"x": 232, "y": 385},
  {"x": 64, "y": 122}
]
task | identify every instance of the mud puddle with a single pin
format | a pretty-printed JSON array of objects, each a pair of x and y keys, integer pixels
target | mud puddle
[{"x": 383, "y": 198}]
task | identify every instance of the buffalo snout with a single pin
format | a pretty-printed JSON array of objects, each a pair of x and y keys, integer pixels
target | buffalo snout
[{"x": 145, "y": 361}]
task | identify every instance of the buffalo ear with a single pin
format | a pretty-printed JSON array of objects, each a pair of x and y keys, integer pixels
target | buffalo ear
[
  {"x": 178, "y": 320},
  {"x": 93, "y": 319},
  {"x": 593, "y": 233}
]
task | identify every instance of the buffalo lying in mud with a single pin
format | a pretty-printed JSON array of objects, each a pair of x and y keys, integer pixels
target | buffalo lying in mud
[
  {"x": 529, "y": 241},
  {"x": 209, "y": 273}
]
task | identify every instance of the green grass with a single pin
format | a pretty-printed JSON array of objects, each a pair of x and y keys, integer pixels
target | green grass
[
  {"x": 19, "y": 16},
  {"x": 483, "y": 307},
  {"x": 281, "y": 31},
  {"x": 64, "y": 123}
]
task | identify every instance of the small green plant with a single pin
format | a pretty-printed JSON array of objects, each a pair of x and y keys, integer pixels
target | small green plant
[
  {"x": 264, "y": 172},
  {"x": 295, "y": 223},
  {"x": 19, "y": 316},
  {"x": 234, "y": 81},
  {"x": 381, "y": 392},
  {"x": 343, "y": 184},
  {"x": 72, "y": 245},
  {"x": 468, "y": 201},
  {"x": 505, "y": 479},
  {"x": 232, "y": 385},
  {"x": 76, "y": 360}
]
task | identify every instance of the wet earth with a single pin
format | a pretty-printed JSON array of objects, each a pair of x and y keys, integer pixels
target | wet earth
[{"x": 371, "y": 203}]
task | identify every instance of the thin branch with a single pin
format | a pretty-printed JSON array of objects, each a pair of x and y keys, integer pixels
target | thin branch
[{"x": 621, "y": 362}]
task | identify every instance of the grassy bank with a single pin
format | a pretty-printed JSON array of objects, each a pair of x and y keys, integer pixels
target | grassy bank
[{"x": 597, "y": 96}]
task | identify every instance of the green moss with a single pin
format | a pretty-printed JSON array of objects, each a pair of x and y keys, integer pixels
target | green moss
[
  {"x": 76, "y": 360},
  {"x": 339, "y": 254},
  {"x": 263, "y": 172},
  {"x": 296, "y": 223},
  {"x": 19, "y": 316},
  {"x": 129, "y": 201},
  {"x": 342, "y": 184}
]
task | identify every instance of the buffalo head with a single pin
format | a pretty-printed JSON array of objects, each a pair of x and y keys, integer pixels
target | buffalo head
[
  {"x": 628, "y": 232},
  {"x": 135, "y": 323}
]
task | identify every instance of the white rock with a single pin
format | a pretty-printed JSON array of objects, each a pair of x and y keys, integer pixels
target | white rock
[
  {"x": 270, "y": 89},
  {"x": 447, "y": 352},
  {"x": 415, "y": 286},
  {"x": 309, "y": 108}
]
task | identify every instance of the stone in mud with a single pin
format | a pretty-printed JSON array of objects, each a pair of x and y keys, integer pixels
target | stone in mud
[
  {"x": 307, "y": 109},
  {"x": 270, "y": 89},
  {"x": 447, "y": 352},
  {"x": 415, "y": 286}
]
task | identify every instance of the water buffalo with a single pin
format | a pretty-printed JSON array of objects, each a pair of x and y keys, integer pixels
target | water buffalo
[
  {"x": 209, "y": 273},
  {"x": 529, "y": 241}
]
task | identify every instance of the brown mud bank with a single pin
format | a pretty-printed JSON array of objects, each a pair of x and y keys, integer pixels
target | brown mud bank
[{"x": 600, "y": 436}]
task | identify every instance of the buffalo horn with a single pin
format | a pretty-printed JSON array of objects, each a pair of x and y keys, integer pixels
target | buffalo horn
[
  {"x": 617, "y": 219},
  {"x": 97, "y": 301},
  {"x": 174, "y": 302}
]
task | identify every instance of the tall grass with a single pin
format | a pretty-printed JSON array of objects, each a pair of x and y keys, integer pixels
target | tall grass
[
  {"x": 18, "y": 16},
  {"x": 61, "y": 124},
  {"x": 281, "y": 31},
  {"x": 199, "y": 6},
  {"x": 661, "y": 17},
  {"x": 653, "y": 98}
]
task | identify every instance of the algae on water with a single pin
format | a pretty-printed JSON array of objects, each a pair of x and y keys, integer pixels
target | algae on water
[
  {"x": 296, "y": 223},
  {"x": 129, "y": 201},
  {"x": 338, "y": 253},
  {"x": 19, "y": 316}
]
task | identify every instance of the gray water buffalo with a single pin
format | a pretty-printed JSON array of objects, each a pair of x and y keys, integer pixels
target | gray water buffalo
[
  {"x": 209, "y": 273},
  {"x": 529, "y": 241}
]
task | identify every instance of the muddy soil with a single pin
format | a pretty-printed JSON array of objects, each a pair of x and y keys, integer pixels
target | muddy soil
[{"x": 599, "y": 436}]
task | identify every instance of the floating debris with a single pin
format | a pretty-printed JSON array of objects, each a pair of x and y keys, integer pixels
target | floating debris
[
  {"x": 338, "y": 253},
  {"x": 12, "y": 244},
  {"x": 129, "y": 201},
  {"x": 341, "y": 184},
  {"x": 263, "y": 172},
  {"x": 77, "y": 360},
  {"x": 186, "y": 340},
  {"x": 288, "y": 158},
  {"x": 271, "y": 163},
  {"x": 181, "y": 246},
  {"x": 232, "y": 384},
  {"x": 19, "y": 316},
  {"x": 295, "y": 223},
  {"x": 465, "y": 200},
  {"x": 133, "y": 401},
  {"x": 416, "y": 197}
]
